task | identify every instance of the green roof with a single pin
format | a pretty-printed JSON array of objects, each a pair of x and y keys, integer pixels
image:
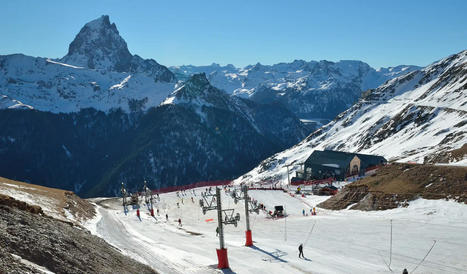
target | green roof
[{"x": 342, "y": 159}]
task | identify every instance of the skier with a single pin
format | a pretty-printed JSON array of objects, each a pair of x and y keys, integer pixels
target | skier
[
  {"x": 303, "y": 212},
  {"x": 217, "y": 231},
  {"x": 405, "y": 271},
  {"x": 179, "y": 222},
  {"x": 166, "y": 217},
  {"x": 300, "y": 251}
]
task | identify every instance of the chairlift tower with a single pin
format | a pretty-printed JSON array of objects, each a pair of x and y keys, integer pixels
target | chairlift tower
[
  {"x": 249, "y": 239},
  {"x": 250, "y": 207},
  {"x": 288, "y": 176},
  {"x": 207, "y": 203}
]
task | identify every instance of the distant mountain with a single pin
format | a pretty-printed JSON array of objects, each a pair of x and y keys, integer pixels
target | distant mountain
[
  {"x": 184, "y": 72},
  {"x": 312, "y": 90},
  {"x": 198, "y": 133},
  {"x": 273, "y": 121},
  {"x": 98, "y": 72},
  {"x": 414, "y": 117}
]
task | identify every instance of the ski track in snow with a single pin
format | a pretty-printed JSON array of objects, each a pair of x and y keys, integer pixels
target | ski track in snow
[{"x": 345, "y": 241}]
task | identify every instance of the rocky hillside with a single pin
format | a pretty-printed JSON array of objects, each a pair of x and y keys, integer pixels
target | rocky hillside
[
  {"x": 33, "y": 242},
  {"x": 312, "y": 90},
  {"x": 57, "y": 203},
  {"x": 410, "y": 118},
  {"x": 98, "y": 72},
  {"x": 396, "y": 184}
]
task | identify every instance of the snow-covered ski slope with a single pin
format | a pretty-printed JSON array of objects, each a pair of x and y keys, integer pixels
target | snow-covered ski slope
[
  {"x": 408, "y": 118},
  {"x": 345, "y": 241}
]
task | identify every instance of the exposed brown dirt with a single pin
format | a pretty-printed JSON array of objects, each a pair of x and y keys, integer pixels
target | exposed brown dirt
[
  {"x": 9, "y": 201},
  {"x": 57, "y": 200},
  {"x": 448, "y": 156},
  {"x": 396, "y": 184}
]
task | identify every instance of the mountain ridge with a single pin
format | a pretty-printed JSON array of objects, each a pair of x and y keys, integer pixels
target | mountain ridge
[
  {"x": 409, "y": 118},
  {"x": 312, "y": 90}
]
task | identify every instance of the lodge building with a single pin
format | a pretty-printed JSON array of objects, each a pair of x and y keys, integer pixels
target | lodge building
[{"x": 336, "y": 164}]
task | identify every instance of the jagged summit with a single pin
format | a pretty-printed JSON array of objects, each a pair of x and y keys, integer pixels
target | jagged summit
[
  {"x": 99, "y": 45},
  {"x": 98, "y": 72},
  {"x": 198, "y": 91},
  {"x": 101, "y": 22},
  {"x": 197, "y": 84}
]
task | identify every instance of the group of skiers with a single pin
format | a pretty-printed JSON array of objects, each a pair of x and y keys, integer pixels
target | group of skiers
[
  {"x": 180, "y": 194},
  {"x": 312, "y": 212}
]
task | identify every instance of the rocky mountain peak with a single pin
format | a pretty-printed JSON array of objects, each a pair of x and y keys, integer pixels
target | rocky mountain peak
[
  {"x": 198, "y": 80},
  {"x": 99, "y": 45},
  {"x": 197, "y": 86},
  {"x": 198, "y": 91}
]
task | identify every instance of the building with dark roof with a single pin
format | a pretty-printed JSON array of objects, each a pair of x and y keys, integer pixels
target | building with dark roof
[{"x": 336, "y": 164}]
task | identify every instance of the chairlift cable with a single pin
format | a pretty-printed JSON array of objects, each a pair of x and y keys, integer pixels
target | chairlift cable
[{"x": 434, "y": 242}]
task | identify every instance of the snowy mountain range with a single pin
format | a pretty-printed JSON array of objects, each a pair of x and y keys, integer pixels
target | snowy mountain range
[
  {"x": 199, "y": 133},
  {"x": 312, "y": 90},
  {"x": 98, "y": 72},
  {"x": 410, "y": 118}
]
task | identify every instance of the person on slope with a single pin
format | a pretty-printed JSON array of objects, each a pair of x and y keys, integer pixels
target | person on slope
[
  {"x": 217, "y": 231},
  {"x": 166, "y": 217},
  {"x": 405, "y": 271},
  {"x": 300, "y": 251}
]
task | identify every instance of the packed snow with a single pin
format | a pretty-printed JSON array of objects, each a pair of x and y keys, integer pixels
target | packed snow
[{"x": 344, "y": 241}]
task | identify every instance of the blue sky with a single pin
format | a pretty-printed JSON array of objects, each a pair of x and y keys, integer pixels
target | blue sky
[{"x": 381, "y": 33}]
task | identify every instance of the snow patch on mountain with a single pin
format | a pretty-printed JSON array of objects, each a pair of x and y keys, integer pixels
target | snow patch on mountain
[{"x": 8, "y": 103}]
